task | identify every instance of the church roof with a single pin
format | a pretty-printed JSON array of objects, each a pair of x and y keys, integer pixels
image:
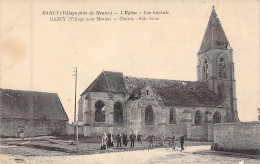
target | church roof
[
  {"x": 173, "y": 92},
  {"x": 214, "y": 37},
  {"x": 16, "y": 104},
  {"x": 107, "y": 82}
]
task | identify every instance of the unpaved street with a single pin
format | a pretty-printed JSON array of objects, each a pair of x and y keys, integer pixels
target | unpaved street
[{"x": 193, "y": 154}]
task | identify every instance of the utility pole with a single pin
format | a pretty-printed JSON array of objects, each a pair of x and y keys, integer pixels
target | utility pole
[
  {"x": 76, "y": 131},
  {"x": 76, "y": 76},
  {"x": 77, "y": 137}
]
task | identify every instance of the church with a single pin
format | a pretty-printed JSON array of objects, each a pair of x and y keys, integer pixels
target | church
[{"x": 117, "y": 102}]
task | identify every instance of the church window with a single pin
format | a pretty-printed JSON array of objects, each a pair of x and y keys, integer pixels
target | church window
[
  {"x": 118, "y": 112},
  {"x": 100, "y": 112},
  {"x": 149, "y": 115},
  {"x": 216, "y": 118},
  {"x": 222, "y": 68},
  {"x": 172, "y": 116},
  {"x": 205, "y": 70},
  {"x": 206, "y": 119},
  {"x": 147, "y": 92},
  {"x": 198, "y": 118}
]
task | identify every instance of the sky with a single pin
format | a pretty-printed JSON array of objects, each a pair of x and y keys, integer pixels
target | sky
[{"x": 39, "y": 54}]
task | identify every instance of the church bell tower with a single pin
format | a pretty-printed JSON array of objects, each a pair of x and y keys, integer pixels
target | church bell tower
[{"x": 216, "y": 67}]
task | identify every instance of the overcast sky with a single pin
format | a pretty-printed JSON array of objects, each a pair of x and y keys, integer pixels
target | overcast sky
[{"x": 37, "y": 54}]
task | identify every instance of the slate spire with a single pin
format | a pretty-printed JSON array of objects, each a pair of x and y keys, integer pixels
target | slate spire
[{"x": 214, "y": 37}]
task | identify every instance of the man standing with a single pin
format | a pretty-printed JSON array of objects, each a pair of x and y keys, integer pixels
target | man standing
[
  {"x": 119, "y": 137},
  {"x": 139, "y": 137},
  {"x": 182, "y": 142},
  {"x": 132, "y": 138}
]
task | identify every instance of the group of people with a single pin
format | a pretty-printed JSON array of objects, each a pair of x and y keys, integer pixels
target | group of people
[
  {"x": 173, "y": 140},
  {"x": 108, "y": 140}
]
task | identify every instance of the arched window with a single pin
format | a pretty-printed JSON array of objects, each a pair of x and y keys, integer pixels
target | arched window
[
  {"x": 118, "y": 112},
  {"x": 216, "y": 118},
  {"x": 100, "y": 112},
  {"x": 172, "y": 116},
  {"x": 149, "y": 115},
  {"x": 205, "y": 69},
  {"x": 222, "y": 72},
  {"x": 198, "y": 118}
]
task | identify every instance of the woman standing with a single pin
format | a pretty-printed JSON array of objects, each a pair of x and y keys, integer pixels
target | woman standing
[
  {"x": 125, "y": 140},
  {"x": 110, "y": 141},
  {"x": 104, "y": 142}
]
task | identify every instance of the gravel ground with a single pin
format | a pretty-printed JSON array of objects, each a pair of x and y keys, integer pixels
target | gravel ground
[
  {"x": 86, "y": 146},
  {"x": 193, "y": 154}
]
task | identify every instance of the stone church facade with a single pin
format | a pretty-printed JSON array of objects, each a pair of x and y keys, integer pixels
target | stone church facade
[{"x": 115, "y": 102}]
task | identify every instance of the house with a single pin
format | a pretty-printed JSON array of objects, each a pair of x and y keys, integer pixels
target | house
[
  {"x": 37, "y": 113},
  {"x": 115, "y": 102}
]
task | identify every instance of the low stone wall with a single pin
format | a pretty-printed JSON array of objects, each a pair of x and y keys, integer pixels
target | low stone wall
[{"x": 239, "y": 137}]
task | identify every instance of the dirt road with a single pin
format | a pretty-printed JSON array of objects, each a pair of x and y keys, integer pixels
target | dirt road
[{"x": 193, "y": 154}]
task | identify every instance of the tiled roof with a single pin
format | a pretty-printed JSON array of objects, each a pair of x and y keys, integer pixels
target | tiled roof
[
  {"x": 214, "y": 37},
  {"x": 185, "y": 96},
  {"x": 107, "y": 82},
  {"x": 98, "y": 85},
  {"x": 135, "y": 84},
  {"x": 115, "y": 81},
  {"x": 173, "y": 92},
  {"x": 16, "y": 104}
]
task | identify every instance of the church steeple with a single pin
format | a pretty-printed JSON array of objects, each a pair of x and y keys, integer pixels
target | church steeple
[
  {"x": 214, "y": 37},
  {"x": 216, "y": 67}
]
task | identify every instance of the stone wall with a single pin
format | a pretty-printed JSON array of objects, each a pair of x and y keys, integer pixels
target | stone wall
[
  {"x": 134, "y": 116},
  {"x": 237, "y": 137},
  {"x": 225, "y": 88},
  {"x": 9, "y": 127},
  {"x": 199, "y": 132}
]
